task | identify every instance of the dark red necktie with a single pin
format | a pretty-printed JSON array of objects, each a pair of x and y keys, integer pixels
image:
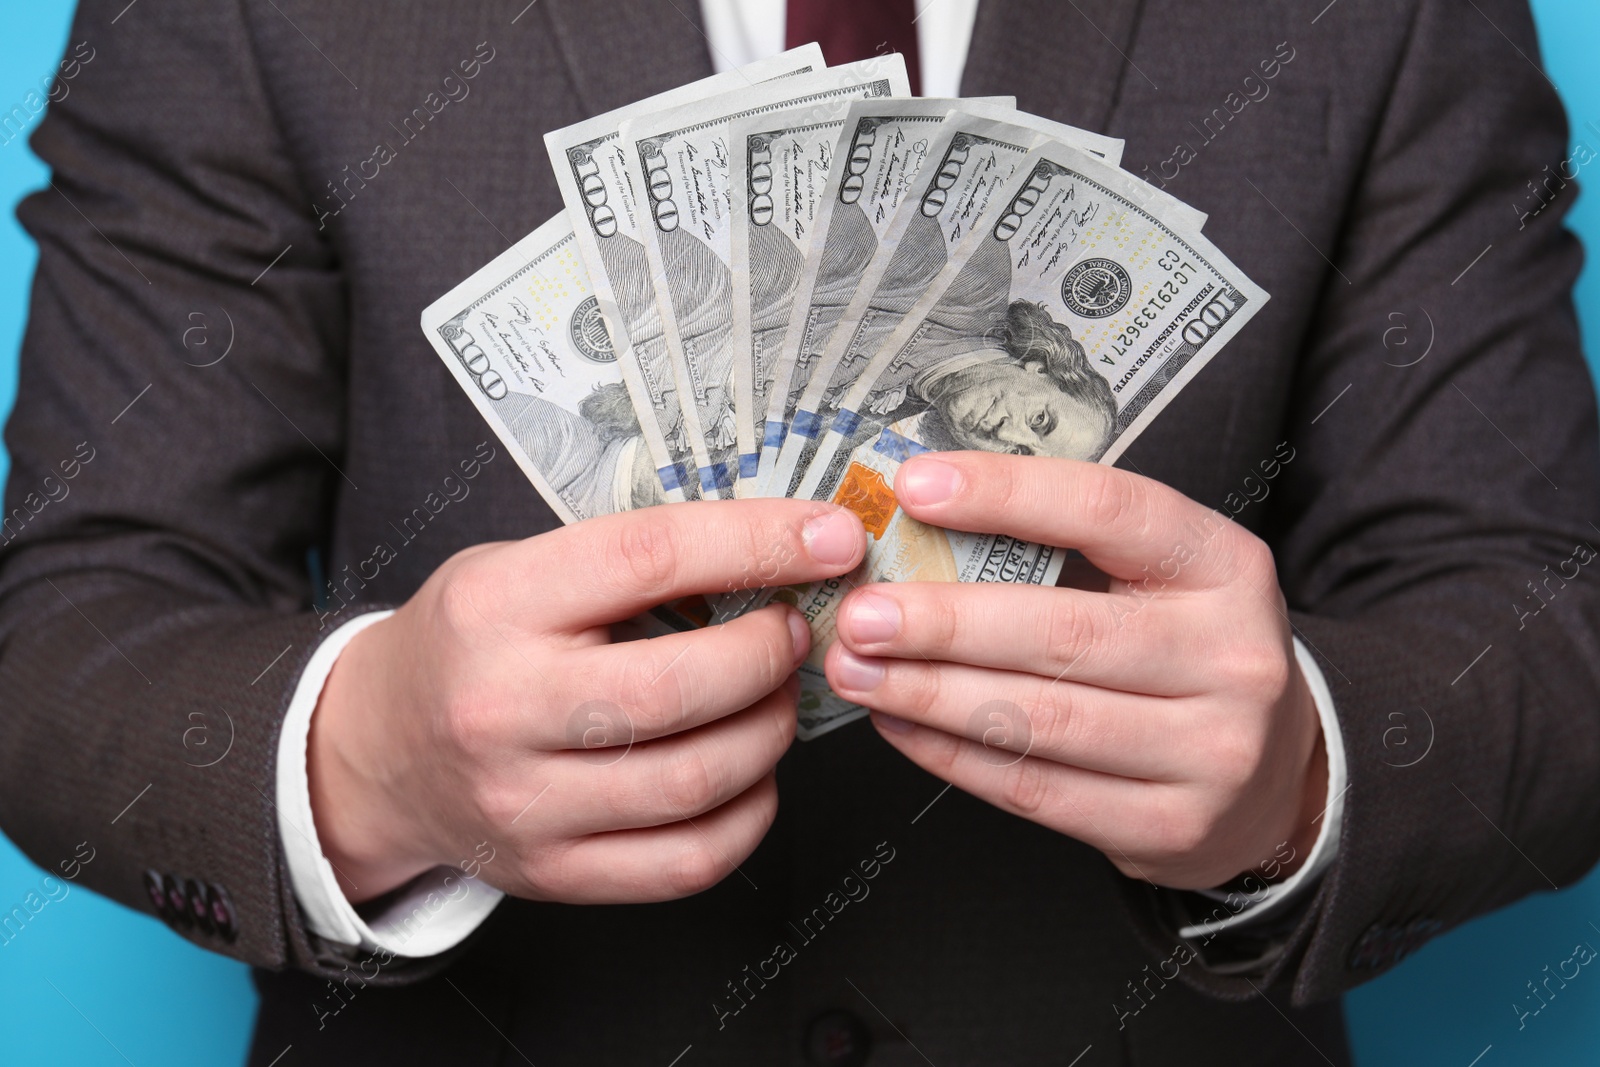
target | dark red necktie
[{"x": 849, "y": 30}]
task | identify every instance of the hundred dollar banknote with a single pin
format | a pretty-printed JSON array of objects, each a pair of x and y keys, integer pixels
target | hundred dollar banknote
[
  {"x": 525, "y": 340},
  {"x": 681, "y": 157},
  {"x": 1075, "y": 316},
  {"x": 973, "y": 153},
  {"x": 881, "y": 148},
  {"x": 778, "y": 170},
  {"x": 590, "y": 162},
  {"x": 777, "y": 166}
]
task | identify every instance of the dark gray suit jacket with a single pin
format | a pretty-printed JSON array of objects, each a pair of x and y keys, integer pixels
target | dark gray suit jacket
[{"x": 1425, "y": 528}]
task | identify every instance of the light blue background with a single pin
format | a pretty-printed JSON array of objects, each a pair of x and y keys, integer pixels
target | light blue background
[{"x": 91, "y": 983}]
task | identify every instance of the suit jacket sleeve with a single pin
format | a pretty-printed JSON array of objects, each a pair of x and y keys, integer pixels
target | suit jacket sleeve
[
  {"x": 1435, "y": 539},
  {"x": 186, "y": 329}
]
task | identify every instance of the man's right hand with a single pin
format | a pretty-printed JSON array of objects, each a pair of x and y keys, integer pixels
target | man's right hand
[{"x": 494, "y": 706}]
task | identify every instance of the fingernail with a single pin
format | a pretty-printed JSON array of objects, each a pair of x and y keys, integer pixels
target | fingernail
[
  {"x": 832, "y": 537},
  {"x": 892, "y": 724},
  {"x": 871, "y": 619},
  {"x": 928, "y": 481},
  {"x": 801, "y": 634},
  {"x": 857, "y": 674}
]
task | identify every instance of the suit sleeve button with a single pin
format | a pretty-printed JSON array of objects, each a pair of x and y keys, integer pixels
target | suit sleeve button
[
  {"x": 156, "y": 893},
  {"x": 195, "y": 901},
  {"x": 222, "y": 914},
  {"x": 177, "y": 904}
]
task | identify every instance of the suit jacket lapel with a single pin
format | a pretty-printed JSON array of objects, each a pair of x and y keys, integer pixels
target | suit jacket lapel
[
  {"x": 1064, "y": 59},
  {"x": 619, "y": 51}
]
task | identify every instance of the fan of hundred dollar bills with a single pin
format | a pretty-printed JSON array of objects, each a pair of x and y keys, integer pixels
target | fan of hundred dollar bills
[{"x": 785, "y": 280}]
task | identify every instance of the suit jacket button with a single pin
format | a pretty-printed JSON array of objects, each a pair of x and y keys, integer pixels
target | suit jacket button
[
  {"x": 177, "y": 904},
  {"x": 222, "y": 915},
  {"x": 839, "y": 1039},
  {"x": 156, "y": 892},
  {"x": 199, "y": 910}
]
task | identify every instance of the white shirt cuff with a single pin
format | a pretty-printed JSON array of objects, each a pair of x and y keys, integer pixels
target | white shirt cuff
[
  {"x": 1271, "y": 899},
  {"x": 434, "y": 912}
]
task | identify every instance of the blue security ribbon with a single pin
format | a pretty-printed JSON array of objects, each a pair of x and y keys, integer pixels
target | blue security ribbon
[
  {"x": 715, "y": 476},
  {"x": 898, "y": 447}
]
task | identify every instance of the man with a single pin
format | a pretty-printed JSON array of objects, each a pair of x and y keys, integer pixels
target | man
[{"x": 1218, "y": 717}]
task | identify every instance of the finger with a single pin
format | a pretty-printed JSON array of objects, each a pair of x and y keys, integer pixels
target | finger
[
  {"x": 1015, "y": 715},
  {"x": 1132, "y": 527},
  {"x": 1139, "y": 644},
  {"x": 662, "y": 863},
  {"x": 639, "y": 690},
  {"x": 656, "y": 783},
  {"x": 1121, "y": 817},
  {"x": 608, "y": 569}
]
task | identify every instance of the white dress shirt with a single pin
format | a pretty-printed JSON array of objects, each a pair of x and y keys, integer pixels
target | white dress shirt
[{"x": 431, "y": 915}]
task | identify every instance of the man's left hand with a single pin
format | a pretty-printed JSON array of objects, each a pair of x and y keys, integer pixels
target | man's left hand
[{"x": 1162, "y": 719}]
